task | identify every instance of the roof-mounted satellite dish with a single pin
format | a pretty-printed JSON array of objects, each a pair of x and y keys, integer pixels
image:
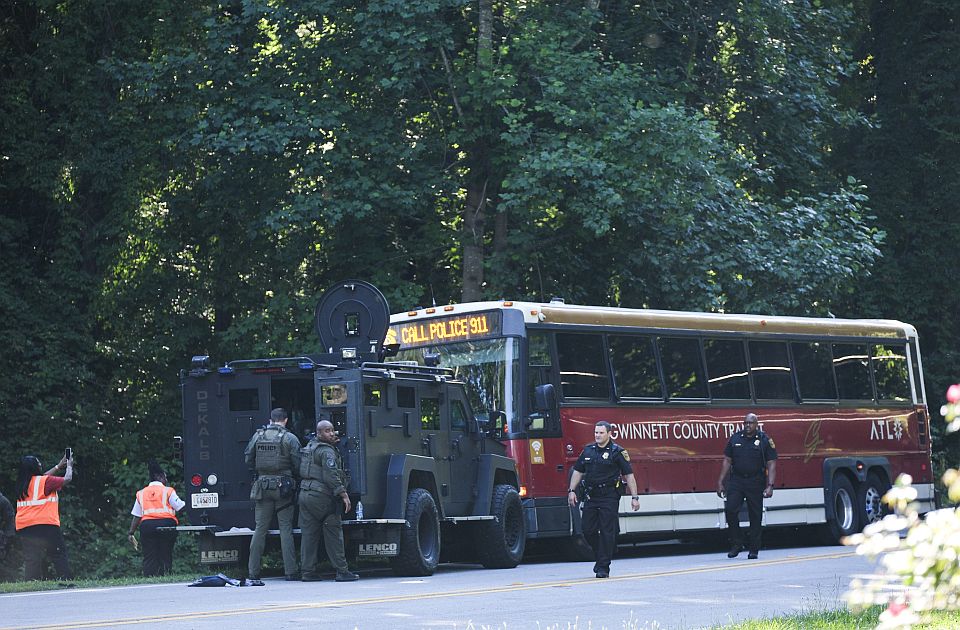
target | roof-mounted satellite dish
[{"x": 352, "y": 315}]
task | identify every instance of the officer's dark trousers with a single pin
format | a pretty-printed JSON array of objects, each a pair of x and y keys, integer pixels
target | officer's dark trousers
[
  {"x": 42, "y": 542},
  {"x": 320, "y": 516},
  {"x": 157, "y": 546},
  {"x": 600, "y": 527},
  {"x": 740, "y": 489}
]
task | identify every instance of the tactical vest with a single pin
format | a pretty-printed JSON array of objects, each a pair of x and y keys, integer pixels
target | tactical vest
[
  {"x": 308, "y": 468},
  {"x": 313, "y": 474},
  {"x": 270, "y": 460}
]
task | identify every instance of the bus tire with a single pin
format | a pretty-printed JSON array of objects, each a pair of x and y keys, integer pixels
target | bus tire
[
  {"x": 576, "y": 549},
  {"x": 419, "y": 551},
  {"x": 870, "y": 499},
  {"x": 503, "y": 540},
  {"x": 846, "y": 517}
]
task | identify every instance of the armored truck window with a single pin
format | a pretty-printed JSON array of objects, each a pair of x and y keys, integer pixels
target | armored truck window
[
  {"x": 814, "y": 365},
  {"x": 770, "y": 368},
  {"x": 430, "y": 414},
  {"x": 244, "y": 400},
  {"x": 407, "y": 397},
  {"x": 726, "y": 369},
  {"x": 583, "y": 368},
  {"x": 682, "y": 367},
  {"x": 890, "y": 372},
  {"x": 458, "y": 416},
  {"x": 634, "y": 363},
  {"x": 852, "y": 367},
  {"x": 372, "y": 394},
  {"x": 334, "y": 394}
]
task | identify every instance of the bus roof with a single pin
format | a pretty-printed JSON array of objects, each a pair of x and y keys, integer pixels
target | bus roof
[{"x": 576, "y": 314}]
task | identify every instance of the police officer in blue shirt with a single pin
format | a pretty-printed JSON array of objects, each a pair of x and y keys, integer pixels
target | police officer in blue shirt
[
  {"x": 748, "y": 472},
  {"x": 600, "y": 467}
]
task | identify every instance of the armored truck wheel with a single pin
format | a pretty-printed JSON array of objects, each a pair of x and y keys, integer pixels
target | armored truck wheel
[
  {"x": 419, "y": 551},
  {"x": 503, "y": 540}
]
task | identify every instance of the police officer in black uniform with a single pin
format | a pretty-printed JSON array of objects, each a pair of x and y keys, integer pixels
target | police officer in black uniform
[
  {"x": 600, "y": 467},
  {"x": 748, "y": 472}
]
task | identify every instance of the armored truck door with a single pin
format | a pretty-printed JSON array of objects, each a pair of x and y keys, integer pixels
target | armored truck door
[
  {"x": 462, "y": 451},
  {"x": 341, "y": 402},
  {"x": 221, "y": 412}
]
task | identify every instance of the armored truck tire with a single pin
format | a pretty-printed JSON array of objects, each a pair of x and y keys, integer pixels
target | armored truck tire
[
  {"x": 419, "y": 551},
  {"x": 503, "y": 540}
]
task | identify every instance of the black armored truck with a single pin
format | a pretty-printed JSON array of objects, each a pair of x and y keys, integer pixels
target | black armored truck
[{"x": 429, "y": 480}]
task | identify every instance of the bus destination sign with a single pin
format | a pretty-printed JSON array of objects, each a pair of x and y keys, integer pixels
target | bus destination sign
[{"x": 450, "y": 329}]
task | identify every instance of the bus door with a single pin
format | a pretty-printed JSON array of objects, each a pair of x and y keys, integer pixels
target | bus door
[{"x": 222, "y": 411}]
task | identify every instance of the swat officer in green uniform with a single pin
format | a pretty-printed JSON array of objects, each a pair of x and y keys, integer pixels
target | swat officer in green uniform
[
  {"x": 323, "y": 493},
  {"x": 600, "y": 467},
  {"x": 275, "y": 453},
  {"x": 747, "y": 474}
]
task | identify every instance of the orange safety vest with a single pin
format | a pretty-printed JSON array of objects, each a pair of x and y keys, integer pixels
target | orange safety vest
[
  {"x": 155, "y": 504},
  {"x": 39, "y": 508}
]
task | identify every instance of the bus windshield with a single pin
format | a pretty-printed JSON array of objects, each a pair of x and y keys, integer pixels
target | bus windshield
[{"x": 490, "y": 369}]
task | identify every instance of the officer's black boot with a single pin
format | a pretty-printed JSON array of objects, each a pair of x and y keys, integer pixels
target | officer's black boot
[
  {"x": 346, "y": 576},
  {"x": 735, "y": 550}
]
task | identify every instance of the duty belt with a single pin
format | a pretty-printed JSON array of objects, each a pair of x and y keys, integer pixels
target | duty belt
[{"x": 748, "y": 475}]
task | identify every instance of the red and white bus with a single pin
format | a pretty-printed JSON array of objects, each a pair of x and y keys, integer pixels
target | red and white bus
[{"x": 843, "y": 399}]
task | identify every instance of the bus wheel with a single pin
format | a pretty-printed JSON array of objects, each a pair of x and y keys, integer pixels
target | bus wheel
[
  {"x": 420, "y": 537},
  {"x": 845, "y": 519},
  {"x": 503, "y": 540},
  {"x": 870, "y": 499},
  {"x": 576, "y": 549}
]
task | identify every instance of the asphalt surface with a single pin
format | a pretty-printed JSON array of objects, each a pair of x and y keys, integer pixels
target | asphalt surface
[{"x": 653, "y": 586}]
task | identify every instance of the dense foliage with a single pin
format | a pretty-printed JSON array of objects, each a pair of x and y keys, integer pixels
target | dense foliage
[{"x": 181, "y": 178}]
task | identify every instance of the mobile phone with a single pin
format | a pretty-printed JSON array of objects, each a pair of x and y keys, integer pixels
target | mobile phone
[{"x": 68, "y": 453}]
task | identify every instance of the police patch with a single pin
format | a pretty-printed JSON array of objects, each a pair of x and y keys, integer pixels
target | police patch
[
  {"x": 770, "y": 442},
  {"x": 626, "y": 455}
]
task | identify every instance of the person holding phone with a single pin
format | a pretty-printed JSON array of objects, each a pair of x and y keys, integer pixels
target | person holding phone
[
  {"x": 156, "y": 506},
  {"x": 38, "y": 516}
]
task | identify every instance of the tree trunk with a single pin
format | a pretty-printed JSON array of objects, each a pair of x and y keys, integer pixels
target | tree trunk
[
  {"x": 472, "y": 243},
  {"x": 472, "y": 236}
]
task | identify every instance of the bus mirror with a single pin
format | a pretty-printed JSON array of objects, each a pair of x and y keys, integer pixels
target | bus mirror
[
  {"x": 545, "y": 398},
  {"x": 391, "y": 349}
]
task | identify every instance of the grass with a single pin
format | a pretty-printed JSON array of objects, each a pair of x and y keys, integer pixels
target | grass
[{"x": 842, "y": 620}]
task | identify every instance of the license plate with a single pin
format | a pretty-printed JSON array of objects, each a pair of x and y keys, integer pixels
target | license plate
[{"x": 205, "y": 500}]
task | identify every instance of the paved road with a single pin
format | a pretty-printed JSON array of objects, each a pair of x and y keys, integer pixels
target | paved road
[{"x": 663, "y": 586}]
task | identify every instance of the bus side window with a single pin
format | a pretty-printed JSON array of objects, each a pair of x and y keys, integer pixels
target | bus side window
[
  {"x": 890, "y": 372},
  {"x": 539, "y": 371},
  {"x": 770, "y": 369},
  {"x": 852, "y": 367},
  {"x": 634, "y": 361},
  {"x": 682, "y": 367},
  {"x": 814, "y": 365},
  {"x": 583, "y": 367},
  {"x": 727, "y": 369}
]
